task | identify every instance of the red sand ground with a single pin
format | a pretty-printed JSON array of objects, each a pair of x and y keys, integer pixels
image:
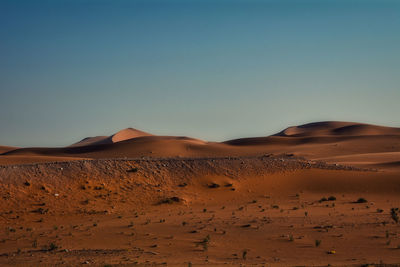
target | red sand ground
[{"x": 153, "y": 200}]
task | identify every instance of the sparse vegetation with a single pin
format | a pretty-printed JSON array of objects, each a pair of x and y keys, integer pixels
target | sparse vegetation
[
  {"x": 244, "y": 254},
  {"x": 331, "y": 198},
  {"x": 205, "y": 242},
  {"x": 361, "y": 200},
  {"x": 323, "y": 199},
  {"x": 170, "y": 200},
  {"x": 291, "y": 238},
  {"x": 213, "y": 185},
  {"x": 133, "y": 169},
  {"x": 317, "y": 242},
  {"x": 394, "y": 214},
  {"x": 52, "y": 246}
]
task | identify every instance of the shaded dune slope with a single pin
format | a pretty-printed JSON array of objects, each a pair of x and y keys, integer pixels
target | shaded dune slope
[
  {"x": 135, "y": 147},
  {"x": 4, "y": 149}
]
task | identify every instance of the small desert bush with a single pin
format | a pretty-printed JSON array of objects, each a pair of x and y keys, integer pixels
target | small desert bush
[
  {"x": 361, "y": 200},
  {"x": 205, "y": 242},
  {"x": 323, "y": 199},
  {"x": 52, "y": 246},
  {"x": 170, "y": 200},
  {"x": 331, "y": 198},
  {"x": 132, "y": 170},
  {"x": 244, "y": 254},
  {"x": 291, "y": 238},
  {"x": 394, "y": 213}
]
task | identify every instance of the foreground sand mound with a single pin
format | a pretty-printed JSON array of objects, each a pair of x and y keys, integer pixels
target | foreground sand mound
[
  {"x": 285, "y": 211},
  {"x": 165, "y": 174}
]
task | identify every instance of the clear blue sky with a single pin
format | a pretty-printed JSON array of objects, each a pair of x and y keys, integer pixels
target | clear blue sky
[{"x": 214, "y": 70}]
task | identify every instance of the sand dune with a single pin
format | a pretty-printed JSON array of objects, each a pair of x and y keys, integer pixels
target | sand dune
[
  {"x": 312, "y": 195},
  {"x": 125, "y": 134},
  {"x": 333, "y": 141},
  {"x": 335, "y": 128},
  {"x": 336, "y": 142},
  {"x": 147, "y": 146}
]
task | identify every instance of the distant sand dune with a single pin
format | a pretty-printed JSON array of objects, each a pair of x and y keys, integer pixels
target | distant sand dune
[
  {"x": 125, "y": 134},
  {"x": 330, "y": 128},
  {"x": 336, "y": 142}
]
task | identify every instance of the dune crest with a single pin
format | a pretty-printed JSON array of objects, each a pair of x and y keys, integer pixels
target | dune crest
[{"x": 125, "y": 134}]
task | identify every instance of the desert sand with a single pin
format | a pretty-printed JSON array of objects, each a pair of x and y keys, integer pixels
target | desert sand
[{"x": 319, "y": 194}]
